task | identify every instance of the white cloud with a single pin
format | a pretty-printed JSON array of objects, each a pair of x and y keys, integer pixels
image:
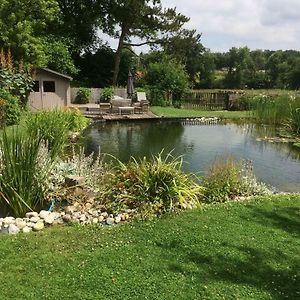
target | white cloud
[{"x": 263, "y": 24}]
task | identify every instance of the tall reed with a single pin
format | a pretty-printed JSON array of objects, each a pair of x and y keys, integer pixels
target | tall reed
[
  {"x": 23, "y": 172},
  {"x": 294, "y": 120},
  {"x": 282, "y": 110},
  {"x": 271, "y": 110}
]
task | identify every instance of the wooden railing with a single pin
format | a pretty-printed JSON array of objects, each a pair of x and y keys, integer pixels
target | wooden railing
[{"x": 205, "y": 100}]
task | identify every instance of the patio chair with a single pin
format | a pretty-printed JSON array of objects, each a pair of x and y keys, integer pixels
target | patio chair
[{"x": 142, "y": 104}]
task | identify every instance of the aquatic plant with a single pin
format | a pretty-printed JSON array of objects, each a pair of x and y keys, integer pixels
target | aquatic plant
[
  {"x": 294, "y": 120},
  {"x": 281, "y": 110}
]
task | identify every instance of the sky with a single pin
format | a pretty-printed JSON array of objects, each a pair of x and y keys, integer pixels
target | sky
[{"x": 257, "y": 24}]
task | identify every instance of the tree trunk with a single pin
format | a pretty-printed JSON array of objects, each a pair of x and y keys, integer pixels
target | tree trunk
[{"x": 119, "y": 53}]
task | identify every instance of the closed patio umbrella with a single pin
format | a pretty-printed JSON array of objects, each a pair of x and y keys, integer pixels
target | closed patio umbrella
[{"x": 129, "y": 85}]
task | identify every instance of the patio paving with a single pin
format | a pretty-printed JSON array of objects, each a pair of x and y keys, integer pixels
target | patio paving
[{"x": 91, "y": 110}]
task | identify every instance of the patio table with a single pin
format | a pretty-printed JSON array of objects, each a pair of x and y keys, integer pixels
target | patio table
[{"x": 126, "y": 109}]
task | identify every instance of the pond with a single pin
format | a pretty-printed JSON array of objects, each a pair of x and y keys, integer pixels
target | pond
[{"x": 276, "y": 164}]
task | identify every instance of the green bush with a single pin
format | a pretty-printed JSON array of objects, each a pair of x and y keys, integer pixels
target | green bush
[
  {"x": 83, "y": 95},
  {"x": 167, "y": 81},
  {"x": 226, "y": 179},
  {"x": 222, "y": 181},
  {"x": 24, "y": 170},
  {"x": 18, "y": 83},
  {"x": 245, "y": 102},
  {"x": 75, "y": 120},
  {"x": 106, "y": 94},
  {"x": 54, "y": 127},
  {"x": 151, "y": 187},
  {"x": 10, "y": 109}
]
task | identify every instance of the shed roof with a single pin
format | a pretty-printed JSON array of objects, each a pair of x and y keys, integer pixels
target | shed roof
[{"x": 55, "y": 73}]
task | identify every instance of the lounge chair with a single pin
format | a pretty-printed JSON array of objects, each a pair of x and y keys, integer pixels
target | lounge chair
[
  {"x": 118, "y": 102},
  {"x": 142, "y": 104}
]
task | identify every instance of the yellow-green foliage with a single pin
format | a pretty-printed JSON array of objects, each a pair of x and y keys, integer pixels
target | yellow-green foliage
[{"x": 152, "y": 186}]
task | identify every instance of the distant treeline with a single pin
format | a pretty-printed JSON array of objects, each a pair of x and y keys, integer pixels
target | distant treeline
[
  {"x": 64, "y": 36},
  {"x": 240, "y": 67}
]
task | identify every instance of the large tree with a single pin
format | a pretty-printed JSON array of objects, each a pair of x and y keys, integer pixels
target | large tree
[
  {"x": 23, "y": 23},
  {"x": 79, "y": 23},
  {"x": 186, "y": 47},
  {"x": 144, "y": 19}
]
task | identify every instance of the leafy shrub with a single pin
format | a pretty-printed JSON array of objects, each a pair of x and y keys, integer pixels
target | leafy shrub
[
  {"x": 152, "y": 187},
  {"x": 83, "y": 95},
  {"x": 169, "y": 81},
  {"x": 53, "y": 127},
  {"x": 76, "y": 121},
  {"x": 226, "y": 180},
  {"x": 106, "y": 94},
  {"x": 16, "y": 80},
  {"x": 249, "y": 186},
  {"x": 23, "y": 172},
  {"x": 10, "y": 109},
  {"x": 244, "y": 102},
  {"x": 222, "y": 181}
]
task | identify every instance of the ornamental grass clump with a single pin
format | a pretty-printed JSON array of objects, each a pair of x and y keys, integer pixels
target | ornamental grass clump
[
  {"x": 23, "y": 172},
  {"x": 227, "y": 179},
  {"x": 152, "y": 187},
  {"x": 221, "y": 181},
  {"x": 51, "y": 127},
  {"x": 54, "y": 127}
]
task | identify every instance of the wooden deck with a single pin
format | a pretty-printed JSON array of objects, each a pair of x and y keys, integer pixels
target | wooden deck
[{"x": 92, "y": 111}]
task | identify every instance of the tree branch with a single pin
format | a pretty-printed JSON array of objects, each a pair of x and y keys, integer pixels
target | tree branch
[
  {"x": 144, "y": 43},
  {"x": 128, "y": 48}
]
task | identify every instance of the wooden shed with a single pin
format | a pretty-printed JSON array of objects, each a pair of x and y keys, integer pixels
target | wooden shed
[{"x": 51, "y": 90}]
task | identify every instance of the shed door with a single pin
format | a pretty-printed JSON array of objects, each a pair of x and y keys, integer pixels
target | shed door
[{"x": 50, "y": 96}]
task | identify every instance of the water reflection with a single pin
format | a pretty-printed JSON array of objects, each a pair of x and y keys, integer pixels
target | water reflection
[{"x": 275, "y": 164}]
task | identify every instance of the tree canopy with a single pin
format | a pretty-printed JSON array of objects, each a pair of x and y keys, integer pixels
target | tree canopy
[
  {"x": 143, "y": 19},
  {"x": 64, "y": 35}
]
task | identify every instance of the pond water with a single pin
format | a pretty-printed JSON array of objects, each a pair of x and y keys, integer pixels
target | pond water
[{"x": 276, "y": 164}]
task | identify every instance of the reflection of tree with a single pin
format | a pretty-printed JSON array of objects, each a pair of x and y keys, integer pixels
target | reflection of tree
[
  {"x": 163, "y": 135},
  {"x": 135, "y": 139}
]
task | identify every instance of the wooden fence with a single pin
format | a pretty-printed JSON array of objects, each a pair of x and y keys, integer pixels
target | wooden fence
[
  {"x": 205, "y": 100},
  {"x": 194, "y": 99}
]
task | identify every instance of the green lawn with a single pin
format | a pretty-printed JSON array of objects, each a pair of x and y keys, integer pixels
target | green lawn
[
  {"x": 244, "y": 250},
  {"x": 171, "y": 112}
]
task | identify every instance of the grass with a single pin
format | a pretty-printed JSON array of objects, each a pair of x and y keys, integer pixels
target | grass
[
  {"x": 171, "y": 112},
  {"x": 235, "y": 250}
]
